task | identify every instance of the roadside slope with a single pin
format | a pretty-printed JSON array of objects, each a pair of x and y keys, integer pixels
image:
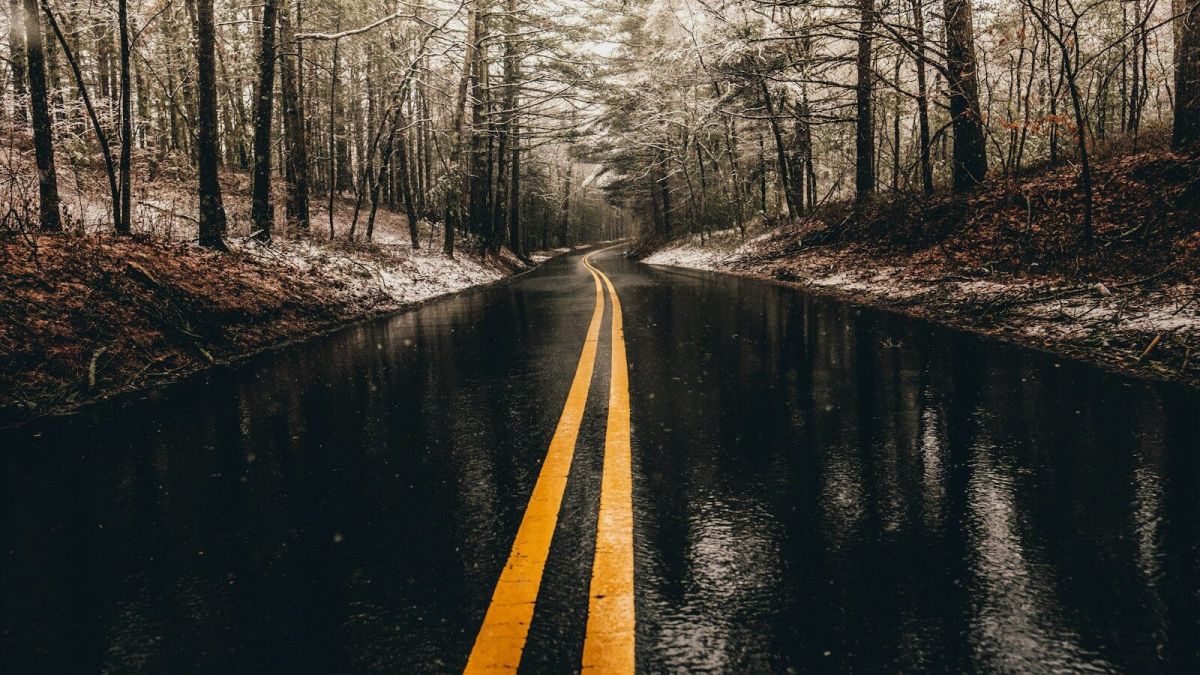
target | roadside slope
[
  {"x": 1009, "y": 261},
  {"x": 82, "y": 317}
]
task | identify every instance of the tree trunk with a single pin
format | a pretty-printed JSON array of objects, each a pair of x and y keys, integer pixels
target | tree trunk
[
  {"x": 428, "y": 145},
  {"x": 496, "y": 232},
  {"x": 101, "y": 136},
  {"x": 234, "y": 109},
  {"x": 802, "y": 150},
  {"x": 1085, "y": 167},
  {"x": 1134, "y": 104},
  {"x": 922, "y": 99},
  {"x": 896, "y": 112},
  {"x": 419, "y": 184},
  {"x": 514, "y": 194},
  {"x": 864, "y": 138},
  {"x": 103, "y": 52},
  {"x": 664, "y": 189},
  {"x": 655, "y": 207},
  {"x": 512, "y": 75},
  {"x": 331, "y": 178},
  {"x": 459, "y": 129},
  {"x": 406, "y": 193},
  {"x": 212, "y": 207},
  {"x": 563, "y": 236},
  {"x": 785, "y": 173},
  {"x": 124, "y": 224},
  {"x": 294, "y": 139},
  {"x": 477, "y": 173},
  {"x": 16, "y": 56},
  {"x": 43, "y": 131},
  {"x": 390, "y": 121},
  {"x": 262, "y": 213},
  {"x": 1185, "y": 133},
  {"x": 762, "y": 176},
  {"x": 969, "y": 166}
]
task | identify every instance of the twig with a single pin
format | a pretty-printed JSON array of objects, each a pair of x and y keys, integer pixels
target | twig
[
  {"x": 1069, "y": 292},
  {"x": 169, "y": 212},
  {"x": 92, "y": 367},
  {"x": 1150, "y": 347}
]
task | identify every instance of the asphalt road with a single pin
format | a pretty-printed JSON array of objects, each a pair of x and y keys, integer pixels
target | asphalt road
[{"x": 777, "y": 483}]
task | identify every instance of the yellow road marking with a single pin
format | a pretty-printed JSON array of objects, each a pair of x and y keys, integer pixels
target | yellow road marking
[
  {"x": 608, "y": 644},
  {"x": 501, "y": 638}
]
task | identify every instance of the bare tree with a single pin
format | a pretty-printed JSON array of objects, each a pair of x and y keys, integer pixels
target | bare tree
[
  {"x": 262, "y": 213},
  {"x": 295, "y": 142},
  {"x": 16, "y": 57},
  {"x": 212, "y": 207},
  {"x": 50, "y": 219},
  {"x": 512, "y": 138},
  {"x": 864, "y": 137},
  {"x": 124, "y": 224},
  {"x": 969, "y": 167},
  {"x": 97, "y": 127},
  {"x": 922, "y": 98},
  {"x": 1185, "y": 132}
]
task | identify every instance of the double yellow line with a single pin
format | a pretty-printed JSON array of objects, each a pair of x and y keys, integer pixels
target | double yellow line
[{"x": 609, "y": 640}]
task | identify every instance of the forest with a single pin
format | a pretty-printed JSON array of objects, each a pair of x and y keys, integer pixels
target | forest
[
  {"x": 461, "y": 115},
  {"x": 241, "y": 168},
  {"x": 601, "y": 336}
]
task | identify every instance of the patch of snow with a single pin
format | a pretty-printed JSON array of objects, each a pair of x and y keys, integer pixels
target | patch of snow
[
  {"x": 693, "y": 258},
  {"x": 543, "y": 256},
  {"x": 983, "y": 288},
  {"x": 688, "y": 255},
  {"x": 843, "y": 281},
  {"x": 399, "y": 273},
  {"x": 1161, "y": 312},
  {"x": 1175, "y": 309},
  {"x": 718, "y": 251},
  {"x": 884, "y": 282}
]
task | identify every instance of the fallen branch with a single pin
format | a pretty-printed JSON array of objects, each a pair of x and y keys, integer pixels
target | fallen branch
[
  {"x": 1003, "y": 303},
  {"x": 1150, "y": 347},
  {"x": 169, "y": 212},
  {"x": 91, "y": 379}
]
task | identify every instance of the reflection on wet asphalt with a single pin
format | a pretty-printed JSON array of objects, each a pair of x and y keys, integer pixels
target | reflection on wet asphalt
[{"x": 816, "y": 487}]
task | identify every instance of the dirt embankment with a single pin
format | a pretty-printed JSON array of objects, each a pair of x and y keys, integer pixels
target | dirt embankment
[
  {"x": 85, "y": 316},
  {"x": 1010, "y": 260}
]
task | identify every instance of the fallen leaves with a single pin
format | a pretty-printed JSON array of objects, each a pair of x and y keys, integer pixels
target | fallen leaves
[{"x": 85, "y": 315}]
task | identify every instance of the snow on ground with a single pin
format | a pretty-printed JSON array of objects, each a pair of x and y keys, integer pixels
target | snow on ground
[
  {"x": 693, "y": 257},
  {"x": 168, "y": 209},
  {"x": 714, "y": 253},
  {"x": 401, "y": 274},
  {"x": 1173, "y": 310},
  {"x": 1077, "y": 315},
  {"x": 889, "y": 282},
  {"x": 166, "y": 206},
  {"x": 422, "y": 275},
  {"x": 543, "y": 256}
]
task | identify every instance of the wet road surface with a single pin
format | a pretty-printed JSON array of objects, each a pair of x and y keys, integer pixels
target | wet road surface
[{"x": 815, "y": 487}]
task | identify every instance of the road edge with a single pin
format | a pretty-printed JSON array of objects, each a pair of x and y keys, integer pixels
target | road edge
[
  {"x": 15, "y": 418},
  {"x": 1067, "y": 351}
]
